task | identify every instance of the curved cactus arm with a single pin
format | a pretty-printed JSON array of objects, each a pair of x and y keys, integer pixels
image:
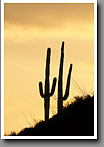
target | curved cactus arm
[
  {"x": 53, "y": 86},
  {"x": 68, "y": 84},
  {"x": 41, "y": 90}
]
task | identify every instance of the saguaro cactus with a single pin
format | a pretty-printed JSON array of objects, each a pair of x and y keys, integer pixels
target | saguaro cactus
[
  {"x": 61, "y": 98},
  {"x": 47, "y": 94}
]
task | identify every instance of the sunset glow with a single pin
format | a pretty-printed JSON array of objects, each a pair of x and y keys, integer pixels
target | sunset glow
[{"x": 29, "y": 30}]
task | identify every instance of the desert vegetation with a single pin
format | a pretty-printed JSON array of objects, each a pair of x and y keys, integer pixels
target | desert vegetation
[
  {"x": 47, "y": 94},
  {"x": 62, "y": 98},
  {"x": 76, "y": 119}
]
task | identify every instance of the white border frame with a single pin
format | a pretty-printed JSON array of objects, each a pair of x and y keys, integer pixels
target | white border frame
[{"x": 95, "y": 69}]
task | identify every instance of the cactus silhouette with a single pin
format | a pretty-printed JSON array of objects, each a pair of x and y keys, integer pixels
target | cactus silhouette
[
  {"x": 61, "y": 98},
  {"x": 47, "y": 94}
]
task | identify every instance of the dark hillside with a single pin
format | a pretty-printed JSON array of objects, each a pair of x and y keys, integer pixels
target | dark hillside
[{"x": 75, "y": 120}]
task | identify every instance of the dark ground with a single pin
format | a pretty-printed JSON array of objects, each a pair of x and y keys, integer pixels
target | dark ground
[{"x": 75, "y": 120}]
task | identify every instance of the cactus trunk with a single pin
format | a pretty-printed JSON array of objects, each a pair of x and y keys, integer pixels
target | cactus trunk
[
  {"x": 61, "y": 98},
  {"x": 47, "y": 93},
  {"x": 60, "y": 84}
]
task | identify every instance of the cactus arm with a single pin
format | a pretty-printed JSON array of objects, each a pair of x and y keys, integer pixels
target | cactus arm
[
  {"x": 53, "y": 86},
  {"x": 68, "y": 84},
  {"x": 41, "y": 90}
]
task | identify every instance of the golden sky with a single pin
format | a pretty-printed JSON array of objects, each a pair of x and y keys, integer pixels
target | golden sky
[{"x": 29, "y": 30}]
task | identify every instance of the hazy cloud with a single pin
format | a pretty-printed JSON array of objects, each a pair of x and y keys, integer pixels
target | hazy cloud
[{"x": 46, "y": 16}]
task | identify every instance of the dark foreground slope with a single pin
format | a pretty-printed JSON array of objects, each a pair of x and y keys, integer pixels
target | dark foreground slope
[{"x": 75, "y": 120}]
